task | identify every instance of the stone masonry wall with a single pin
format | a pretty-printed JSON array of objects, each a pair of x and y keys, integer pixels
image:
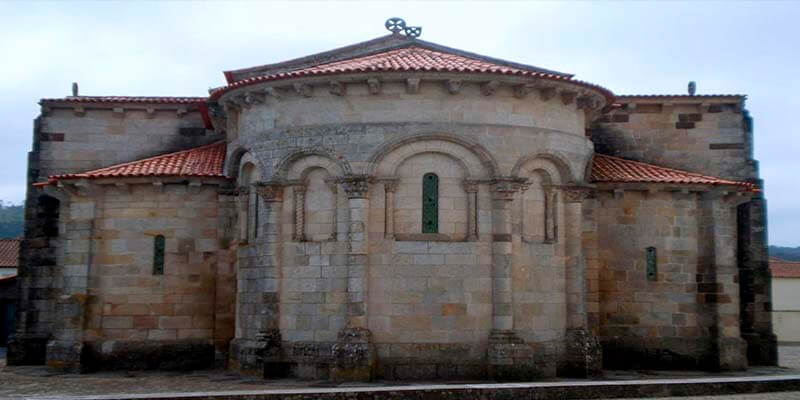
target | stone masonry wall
[
  {"x": 427, "y": 299},
  {"x": 70, "y": 140},
  {"x": 713, "y": 140},
  {"x": 648, "y": 323},
  {"x": 71, "y": 143},
  {"x": 137, "y": 318}
]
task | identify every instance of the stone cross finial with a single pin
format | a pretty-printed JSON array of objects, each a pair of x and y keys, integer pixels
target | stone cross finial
[
  {"x": 397, "y": 25},
  {"x": 692, "y": 88},
  {"x": 74, "y": 89}
]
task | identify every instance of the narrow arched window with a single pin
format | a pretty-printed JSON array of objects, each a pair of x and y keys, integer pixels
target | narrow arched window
[
  {"x": 430, "y": 203},
  {"x": 158, "y": 255}
]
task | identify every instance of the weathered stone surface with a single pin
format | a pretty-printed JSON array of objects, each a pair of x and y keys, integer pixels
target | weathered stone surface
[{"x": 311, "y": 260}]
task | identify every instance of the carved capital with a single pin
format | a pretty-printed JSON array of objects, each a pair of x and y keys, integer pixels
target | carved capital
[
  {"x": 299, "y": 188},
  {"x": 576, "y": 194},
  {"x": 505, "y": 188},
  {"x": 356, "y": 186},
  {"x": 470, "y": 186},
  {"x": 390, "y": 186},
  {"x": 270, "y": 191}
]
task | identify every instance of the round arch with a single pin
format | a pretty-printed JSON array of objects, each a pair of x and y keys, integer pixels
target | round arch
[
  {"x": 477, "y": 161},
  {"x": 288, "y": 167},
  {"x": 565, "y": 175}
]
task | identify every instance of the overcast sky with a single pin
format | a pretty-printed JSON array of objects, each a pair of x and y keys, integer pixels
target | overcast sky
[{"x": 181, "y": 48}]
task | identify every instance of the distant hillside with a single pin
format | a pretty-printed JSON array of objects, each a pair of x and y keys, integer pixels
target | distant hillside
[
  {"x": 786, "y": 253},
  {"x": 11, "y": 220}
]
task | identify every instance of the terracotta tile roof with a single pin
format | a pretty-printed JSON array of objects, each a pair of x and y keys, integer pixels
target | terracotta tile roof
[
  {"x": 203, "y": 161},
  {"x": 678, "y": 96},
  {"x": 9, "y": 253},
  {"x": 614, "y": 169},
  {"x": 784, "y": 269},
  {"x": 411, "y": 59},
  {"x": 127, "y": 99},
  {"x": 373, "y": 46}
]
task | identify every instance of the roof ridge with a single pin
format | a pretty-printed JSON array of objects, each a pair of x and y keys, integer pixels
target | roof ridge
[{"x": 668, "y": 168}]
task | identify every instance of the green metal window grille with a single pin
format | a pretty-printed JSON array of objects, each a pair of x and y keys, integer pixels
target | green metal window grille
[
  {"x": 430, "y": 203},
  {"x": 652, "y": 268},
  {"x": 158, "y": 255}
]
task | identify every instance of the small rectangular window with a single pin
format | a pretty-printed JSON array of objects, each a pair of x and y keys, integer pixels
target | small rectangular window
[
  {"x": 652, "y": 268},
  {"x": 430, "y": 203},
  {"x": 158, "y": 255}
]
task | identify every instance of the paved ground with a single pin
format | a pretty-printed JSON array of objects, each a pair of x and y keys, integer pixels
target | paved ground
[{"x": 24, "y": 382}]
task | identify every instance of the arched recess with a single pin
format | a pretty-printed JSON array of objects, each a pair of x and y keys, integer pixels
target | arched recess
[
  {"x": 313, "y": 175},
  {"x": 557, "y": 161},
  {"x": 234, "y": 160},
  {"x": 539, "y": 208},
  {"x": 250, "y": 209},
  {"x": 455, "y": 161},
  {"x": 324, "y": 157},
  {"x": 458, "y": 147}
]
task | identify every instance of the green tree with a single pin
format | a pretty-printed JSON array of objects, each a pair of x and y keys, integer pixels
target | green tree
[{"x": 12, "y": 220}]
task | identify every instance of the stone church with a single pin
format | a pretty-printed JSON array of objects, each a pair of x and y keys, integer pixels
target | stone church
[{"x": 395, "y": 209}]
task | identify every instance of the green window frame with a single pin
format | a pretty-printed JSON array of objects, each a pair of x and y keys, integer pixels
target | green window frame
[
  {"x": 430, "y": 203},
  {"x": 158, "y": 255},
  {"x": 652, "y": 266}
]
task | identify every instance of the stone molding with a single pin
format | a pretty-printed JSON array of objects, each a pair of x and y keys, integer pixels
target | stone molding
[
  {"x": 576, "y": 194},
  {"x": 585, "y": 97}
]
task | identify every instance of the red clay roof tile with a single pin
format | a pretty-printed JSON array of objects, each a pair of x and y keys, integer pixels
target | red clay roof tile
[
  {"x": 203, "y": 161},
  {"x": 614, "y": 169},
  {"x": 9, "y": 253},
  {"x": 784, "y": 269},
  {"x": 127, "y": 99},
  {"x": 410, "y": 59}
]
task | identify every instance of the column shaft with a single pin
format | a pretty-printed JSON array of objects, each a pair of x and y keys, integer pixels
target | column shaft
[{"x": 357, "y": 189}]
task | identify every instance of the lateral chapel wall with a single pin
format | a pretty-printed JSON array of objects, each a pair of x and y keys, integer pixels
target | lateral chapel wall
[
  {"x": 70, "y": 138},
  {"x": 138, "y": 317}
]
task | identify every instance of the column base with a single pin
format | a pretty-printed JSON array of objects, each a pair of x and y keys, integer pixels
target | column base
[
  {"x": 270, "y": 355},
  {"x": 583, "y": 357},
  {"x": 732, "y": 354},
  {"x": 762, "y": 348},
  {"x": 511, "y": 359},
  {"x": 245, "y": 357},
  {"x": 27, "y": 349},
  {"x": 64, "y": 356},
  {"x": 353, "y": 356}
]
